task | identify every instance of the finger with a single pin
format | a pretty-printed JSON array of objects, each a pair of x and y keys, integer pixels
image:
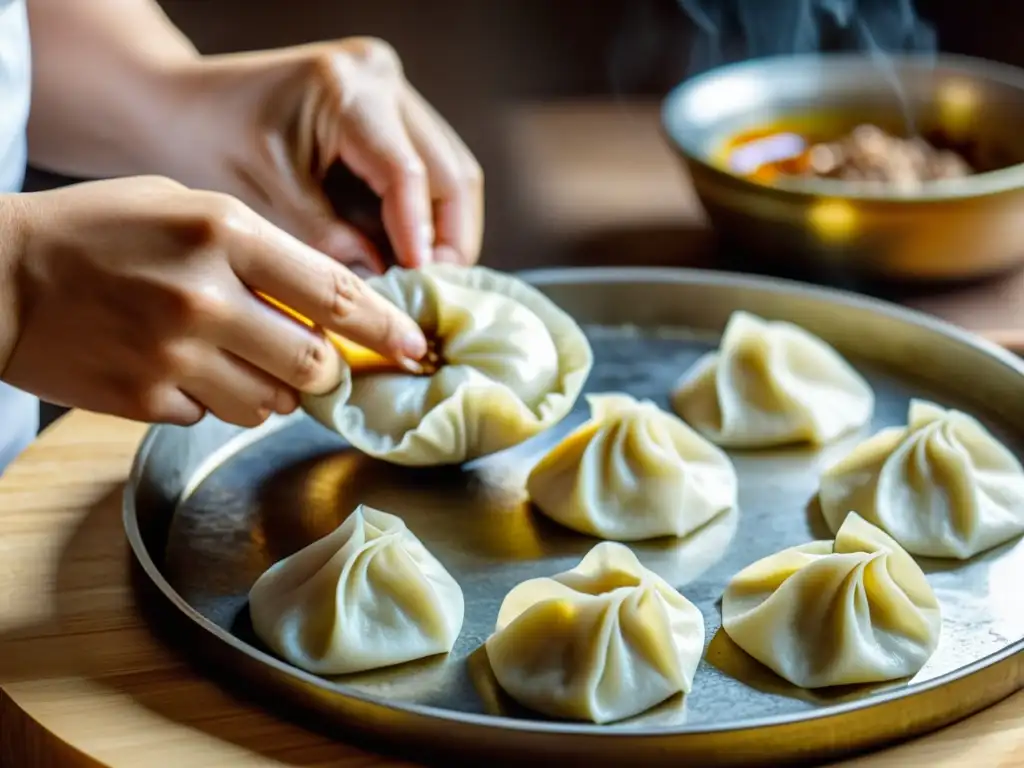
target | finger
[
  {"x": 162, "y": 404},
  {"x": 268, "y": 260},
  {"x": 180, "y": 409},
  {"x": 297, "y": 356},
  {"x": 455, "y": 182},
  {"x": 378, "y": 150},
  {"x": 235, "y": 391},
  {"x": 296, "y": 202}
]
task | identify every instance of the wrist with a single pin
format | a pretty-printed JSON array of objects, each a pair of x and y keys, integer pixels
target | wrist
[{"x": 14, "y": 228}]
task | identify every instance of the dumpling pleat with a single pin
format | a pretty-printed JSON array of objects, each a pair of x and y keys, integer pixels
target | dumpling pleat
[
  {"x": 943, "y": 486},
  {"x": 860, "y": 613},
  {"x": 367, "y": 595},
  {"x": 601, "y": 642}
]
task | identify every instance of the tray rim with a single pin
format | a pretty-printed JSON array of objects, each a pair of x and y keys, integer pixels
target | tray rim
[{"x": 540, "y": 277}]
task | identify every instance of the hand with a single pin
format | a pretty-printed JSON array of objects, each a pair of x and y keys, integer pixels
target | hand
[
  {"x": 286, "y": 116},
  {"x": 136, "y": 297}
]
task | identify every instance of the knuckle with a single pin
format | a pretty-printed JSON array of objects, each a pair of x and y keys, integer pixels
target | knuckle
[
  {"x": 346, "y": 291},
  {"x": 310, "y": 362},
  {"x": 473, "y": 174},
  {"x": 377, "y": 54},
  {"x": 170, "y": 358},
  {"x": 200, "y": 305},
  {"x": 224, "y": 212},
  {"x": 155, "y": 402},
  {"x": 211, "y": 220},
  {"x": 408, "y": 167},
  {"x": 246, "y": 417}
]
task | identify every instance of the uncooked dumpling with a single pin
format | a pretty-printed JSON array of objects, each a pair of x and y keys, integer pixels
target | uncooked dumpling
[
  {"x": 856, "y": 610},
  {"x": 506, "y": 364},
  {"x": 367, "y": 595},
  {"x": 770, "y": 384},
  {"x": 632, "y": 472},
  {"x": 942, "y": 486},
  {"x": 602, "y": 642}
]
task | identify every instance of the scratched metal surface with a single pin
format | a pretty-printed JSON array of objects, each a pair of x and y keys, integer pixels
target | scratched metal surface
[{"x": 299, "y": 481}]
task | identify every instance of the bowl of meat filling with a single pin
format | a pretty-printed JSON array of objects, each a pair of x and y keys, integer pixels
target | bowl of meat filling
[{"x": 903, "y": 167}]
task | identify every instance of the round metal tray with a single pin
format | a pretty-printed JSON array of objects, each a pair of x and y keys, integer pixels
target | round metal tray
[{"x": 209, "y": 508}]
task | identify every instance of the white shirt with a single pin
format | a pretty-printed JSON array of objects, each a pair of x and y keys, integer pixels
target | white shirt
[{"x": 19, "y": 412}]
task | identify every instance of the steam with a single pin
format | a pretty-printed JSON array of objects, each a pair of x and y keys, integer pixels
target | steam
[{"x": 733, "y": 30}]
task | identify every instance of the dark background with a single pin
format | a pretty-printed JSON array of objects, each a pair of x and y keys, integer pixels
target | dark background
[{"x": 474, "y": 58}]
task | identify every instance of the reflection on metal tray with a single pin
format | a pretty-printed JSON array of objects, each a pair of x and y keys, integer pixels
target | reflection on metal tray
[{"x": 210, "y": 508}]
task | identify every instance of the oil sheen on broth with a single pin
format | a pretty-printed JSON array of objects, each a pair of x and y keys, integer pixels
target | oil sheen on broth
[{"x": 866, "y": 154}]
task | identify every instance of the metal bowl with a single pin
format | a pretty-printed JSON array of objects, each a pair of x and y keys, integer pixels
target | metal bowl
[{"x": 946, "y": 230}]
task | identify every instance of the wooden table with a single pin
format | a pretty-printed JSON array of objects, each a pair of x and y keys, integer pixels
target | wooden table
[{"x": 82, "y": 679}]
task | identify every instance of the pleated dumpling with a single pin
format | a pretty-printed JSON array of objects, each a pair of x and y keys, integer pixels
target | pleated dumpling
[
  {"x": 854, "y": 610},
  {"x": 632, "y": 472},
  {"x": 368, "y": 595},
  {"x": 770, "y": 384},
  {"x": 602, "y": 642},
  {"x": 942, "y": 486},
  {"x": 505, "y": 364}
]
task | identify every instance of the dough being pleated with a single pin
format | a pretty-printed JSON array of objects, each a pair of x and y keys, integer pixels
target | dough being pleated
[
  {"x": 367, "y": 595},
  {"x": 854, "y": 610},
  {"x": 511, "y": 364},
  {"x": 632, "y": 472},
  {"x": 770, "y": 384},
  {"x": 942, "y": 486},
  {"x": 602, "y": 642}
]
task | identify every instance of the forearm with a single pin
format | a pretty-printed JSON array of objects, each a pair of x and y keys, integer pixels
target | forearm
[
  {"x": 12, "y": 243},
  {"x": 105, "y": 86}
]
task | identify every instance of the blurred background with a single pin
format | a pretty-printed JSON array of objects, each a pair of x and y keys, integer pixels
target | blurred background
[{"x": 558, "y": 100}]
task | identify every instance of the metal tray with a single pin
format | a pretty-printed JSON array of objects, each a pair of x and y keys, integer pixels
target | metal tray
[{"x": 209, "y": 508}]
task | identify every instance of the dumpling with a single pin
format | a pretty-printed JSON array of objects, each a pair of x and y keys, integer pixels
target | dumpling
[
  {"x": 770, "y": 384},
  {"x": 602, "y": 642},
  {"x": 367, "y": 595},
  {"x": 942, "y": 486},
  {"x": 854, "y": 610},
  {"x": 632, "y": 472},
  {"x": 505, "y": 364}
]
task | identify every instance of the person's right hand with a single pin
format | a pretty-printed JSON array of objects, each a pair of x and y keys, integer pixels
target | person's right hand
[{"x": 135, "y": 297}]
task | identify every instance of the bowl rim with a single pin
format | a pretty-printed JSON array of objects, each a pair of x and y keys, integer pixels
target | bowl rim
[{"x": 998, "y": 181}]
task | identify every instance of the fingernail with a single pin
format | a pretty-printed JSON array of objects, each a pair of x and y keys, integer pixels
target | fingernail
[
  {"x": 445, "y": 254},
  {"x": 411, "y": 366},
  {"x": 413, "y": 343}
]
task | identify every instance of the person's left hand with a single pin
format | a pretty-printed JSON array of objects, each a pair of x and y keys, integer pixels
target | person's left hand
[{"x": 266, "y": 126}]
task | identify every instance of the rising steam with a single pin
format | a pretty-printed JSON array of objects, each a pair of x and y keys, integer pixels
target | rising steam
[{"x": 733, "y": 30}]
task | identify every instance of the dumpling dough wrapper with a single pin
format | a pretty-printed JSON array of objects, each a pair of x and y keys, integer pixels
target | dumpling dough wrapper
[
  {"x": 943, "y": 486},
  {"x": 633, "y": 472},
  {"x": 505, "y": 364},
  {"x": 365, "y": 596},
  {"x": 771, "y": 384},
  {"x": 854, "y": 610},
  {"x": 604, "y": 641}
]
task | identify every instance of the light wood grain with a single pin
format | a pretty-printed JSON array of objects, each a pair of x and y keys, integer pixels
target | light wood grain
[{"x": 84, "y": 681}]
